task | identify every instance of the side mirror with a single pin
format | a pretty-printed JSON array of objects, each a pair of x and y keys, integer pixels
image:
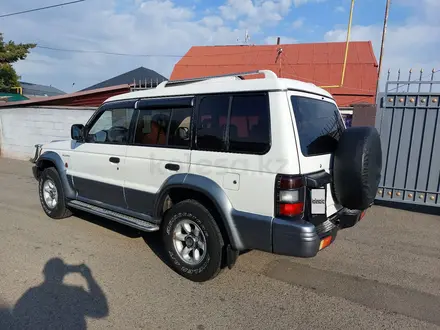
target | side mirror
[{"x": 77, "y": 132}]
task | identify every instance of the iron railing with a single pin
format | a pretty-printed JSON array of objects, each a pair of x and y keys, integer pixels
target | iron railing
[{"x": 408, "y": 119}]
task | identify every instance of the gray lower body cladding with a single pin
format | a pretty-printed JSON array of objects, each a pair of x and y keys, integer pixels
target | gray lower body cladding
[{"x": 291, "y": 237}]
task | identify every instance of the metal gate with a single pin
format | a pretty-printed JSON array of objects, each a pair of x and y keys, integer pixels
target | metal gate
[{"x": 408, "y": 119}]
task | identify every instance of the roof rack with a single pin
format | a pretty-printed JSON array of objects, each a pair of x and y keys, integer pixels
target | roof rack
[{"x": 268, "y": 74}]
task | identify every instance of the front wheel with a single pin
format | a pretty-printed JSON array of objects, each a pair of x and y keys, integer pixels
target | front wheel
[
  {"x": 193, "y": 241},
  {"x": 52, "y": 197}
]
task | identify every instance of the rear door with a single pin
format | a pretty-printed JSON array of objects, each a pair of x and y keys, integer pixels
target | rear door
[
  {"x": 318, "y": 126},
  {"x": 233, "y": 148},
  {"x": 160, "y": 149}
]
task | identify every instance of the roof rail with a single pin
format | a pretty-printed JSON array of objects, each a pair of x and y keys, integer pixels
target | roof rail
[{"x": 268, "y": 74}]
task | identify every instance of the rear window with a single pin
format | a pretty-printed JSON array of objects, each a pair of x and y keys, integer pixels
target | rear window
[{"x": 319, "y": 125}]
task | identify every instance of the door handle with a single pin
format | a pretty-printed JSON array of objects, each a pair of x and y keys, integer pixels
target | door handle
[
  {"x": 172, "y": 167},
  {"x": 114, "y": 160}
]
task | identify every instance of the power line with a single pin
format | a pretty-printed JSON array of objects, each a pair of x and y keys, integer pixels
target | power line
[
  {"x": 84, "y": 51},
  {"x": 40, "y": 8},
  {"x": 105, "y": 52}
]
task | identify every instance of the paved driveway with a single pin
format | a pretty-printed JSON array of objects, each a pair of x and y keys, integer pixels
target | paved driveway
[{"x": 384, "y": 273}]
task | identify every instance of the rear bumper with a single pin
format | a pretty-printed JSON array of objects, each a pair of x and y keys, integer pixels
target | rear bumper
[{"x": 300, "y": 238}]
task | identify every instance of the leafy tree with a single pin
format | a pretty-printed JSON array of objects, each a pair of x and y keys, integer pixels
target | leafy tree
[{"x": 11, "y": 52}]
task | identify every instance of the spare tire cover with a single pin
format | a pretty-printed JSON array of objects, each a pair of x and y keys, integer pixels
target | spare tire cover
[{"x": 357, "y": 164}]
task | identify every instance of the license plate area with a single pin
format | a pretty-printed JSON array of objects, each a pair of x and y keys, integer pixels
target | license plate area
[
  {"x": 316, "y": 205},
  {"x": 318, "y": 201},
  {"x": 317, "y": 184}
]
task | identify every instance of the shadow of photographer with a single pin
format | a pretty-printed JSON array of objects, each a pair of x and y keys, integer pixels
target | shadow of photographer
[{"x": 56, "y": 305}]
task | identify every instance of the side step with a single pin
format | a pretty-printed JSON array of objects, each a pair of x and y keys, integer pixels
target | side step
[{"x": 115, "y": 216}]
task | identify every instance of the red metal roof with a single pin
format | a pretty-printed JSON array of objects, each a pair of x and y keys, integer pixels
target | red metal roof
[
  {"x": 92, "y": 98},
  {"x": 319, "y": 63}
]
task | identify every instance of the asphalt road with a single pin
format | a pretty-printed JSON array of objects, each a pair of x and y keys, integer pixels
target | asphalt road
[{"x": 384, "y": 273}]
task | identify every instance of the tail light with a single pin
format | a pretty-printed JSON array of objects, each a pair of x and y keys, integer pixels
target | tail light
[{"x": 289, "y": 196}]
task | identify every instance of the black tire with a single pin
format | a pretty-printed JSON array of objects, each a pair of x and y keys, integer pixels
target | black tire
[
  {"x": 60, "y": 210},
  {"x": 210, "y": 265},
  {"x": 357, "y": 166}
]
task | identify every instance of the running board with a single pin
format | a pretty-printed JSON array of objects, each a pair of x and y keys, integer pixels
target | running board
[{"x": 115, "y": 216}]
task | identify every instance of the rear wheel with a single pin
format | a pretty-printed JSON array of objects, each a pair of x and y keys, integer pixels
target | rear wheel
[
  {"x": 51, "y": 193},
  {"x": 193, "y": 241}
]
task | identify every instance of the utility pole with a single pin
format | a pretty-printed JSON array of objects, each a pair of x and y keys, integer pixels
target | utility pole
[{"x": 384, "y": 32}]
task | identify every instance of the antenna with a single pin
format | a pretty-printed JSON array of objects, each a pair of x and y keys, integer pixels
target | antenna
[{"x": 247, "y": 37}]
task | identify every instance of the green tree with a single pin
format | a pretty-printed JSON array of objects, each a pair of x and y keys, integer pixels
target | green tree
[{"x": 11, "y": 52}]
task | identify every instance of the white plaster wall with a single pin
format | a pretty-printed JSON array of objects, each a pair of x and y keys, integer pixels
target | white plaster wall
[{"x": 22, "y": 128}]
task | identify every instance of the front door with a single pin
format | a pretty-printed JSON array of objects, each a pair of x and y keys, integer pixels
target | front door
[
  {"x": 161, "y": 148},
  {"x": 98, "y": 164}
]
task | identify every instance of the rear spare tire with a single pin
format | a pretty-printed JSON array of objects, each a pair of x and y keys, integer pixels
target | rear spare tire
[{"x": 357, "y": 165}]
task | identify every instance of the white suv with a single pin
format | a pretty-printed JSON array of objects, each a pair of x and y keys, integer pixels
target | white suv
[{"x": 218, "y": 164}]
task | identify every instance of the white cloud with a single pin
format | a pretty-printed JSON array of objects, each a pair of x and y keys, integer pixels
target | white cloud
[
  {"x": 339, "y": 9},
  {"x": 414, "y": 43},
  {"x": 212, "y": 21},
  {"x": 164, "y": 27},
  {"x": 255, "y": 12},
  {"x": 165, "y": 9},
  {"x": 265, "y": 11},
  {"x": 148, "y": 27},
  {"x": 298, "y": 3},
  {"x": 142, "y": 27},
  {"x": 298, "y": 23},
  {"x": 272, "y": 40}
]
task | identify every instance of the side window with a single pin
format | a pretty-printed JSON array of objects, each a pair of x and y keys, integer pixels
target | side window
[
  {"x": 112, "y": 126},
  {"x": 152, "y": 127},
  {"x": 249, "y": 128},
  {"x": 180, "y": 128},
  {"x": 211, "y": 123}
]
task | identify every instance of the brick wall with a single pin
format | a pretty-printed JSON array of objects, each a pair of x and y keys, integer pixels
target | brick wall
[{"x": 22, "y": 128}]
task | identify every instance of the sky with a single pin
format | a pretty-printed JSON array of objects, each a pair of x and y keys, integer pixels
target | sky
[{"x": 163, "y": 30}]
